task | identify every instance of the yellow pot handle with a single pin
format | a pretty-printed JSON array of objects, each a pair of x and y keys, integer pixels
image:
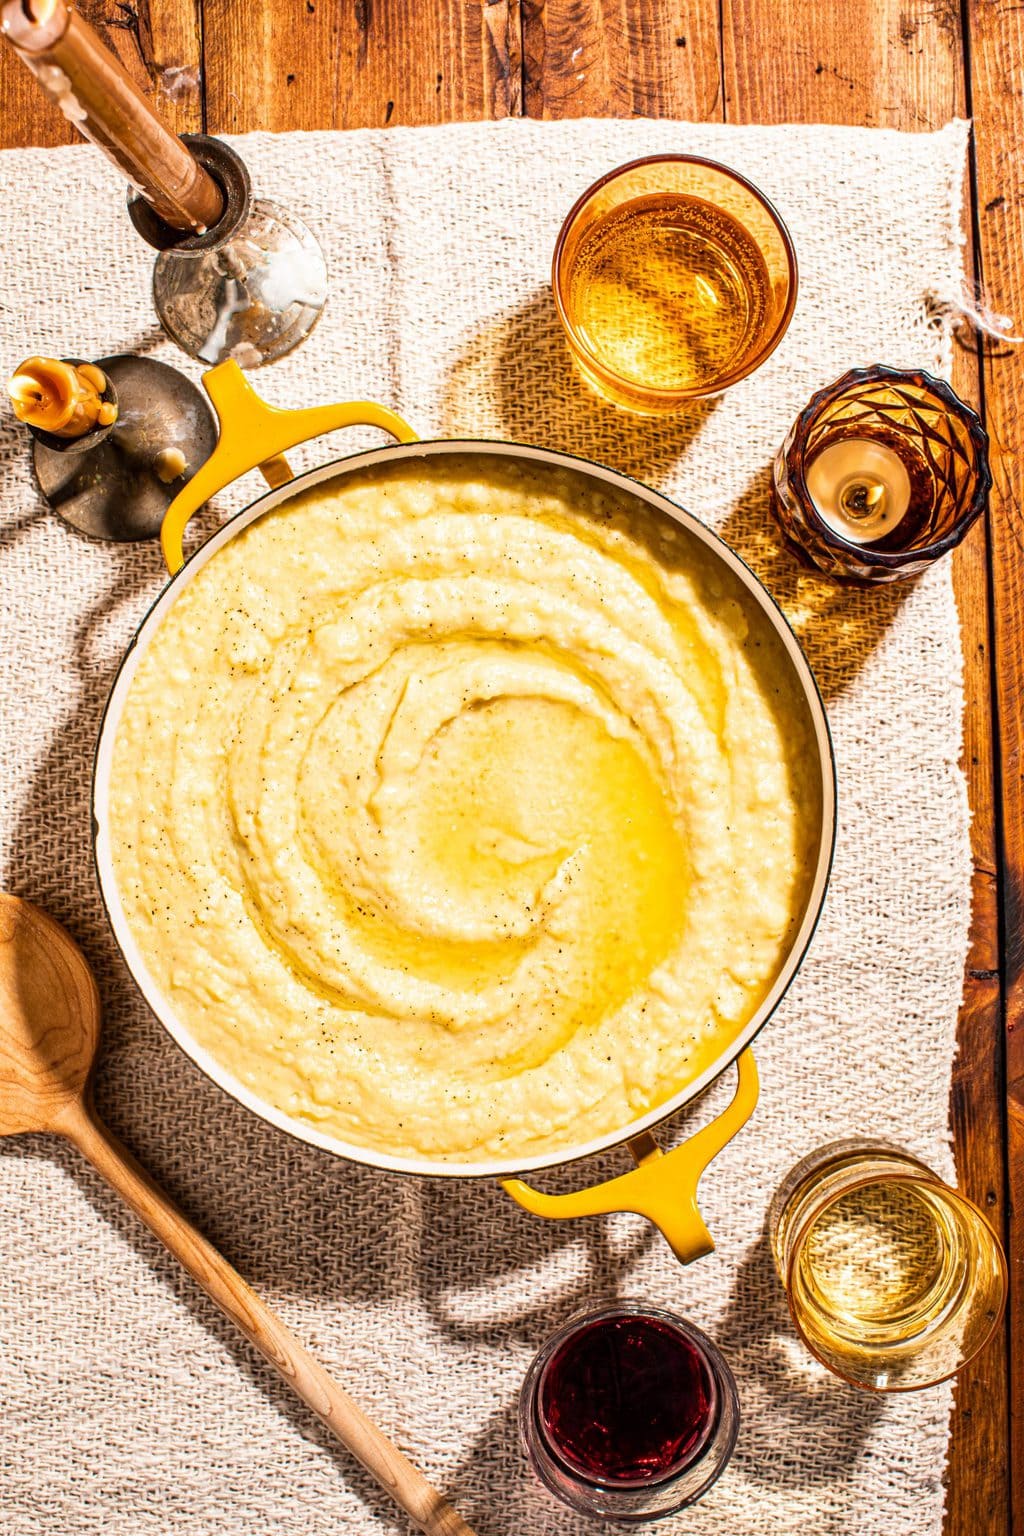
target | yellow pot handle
[
  {"x": 663, "y": 1186},
  {"x": 254, "y": 435}
]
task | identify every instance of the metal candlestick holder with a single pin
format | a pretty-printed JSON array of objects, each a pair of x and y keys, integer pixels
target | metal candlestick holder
[
  {"x": 236, "y": 278},
  {"x": 116, "y": 482},
  {"x": 249, "y": 288}
]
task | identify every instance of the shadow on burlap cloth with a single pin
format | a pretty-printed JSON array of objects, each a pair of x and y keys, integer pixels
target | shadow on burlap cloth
[{"x": 129, "y": 1406}]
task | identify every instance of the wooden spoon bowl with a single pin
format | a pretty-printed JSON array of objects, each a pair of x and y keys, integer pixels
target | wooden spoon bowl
[{"x": 49, "y": 1020}]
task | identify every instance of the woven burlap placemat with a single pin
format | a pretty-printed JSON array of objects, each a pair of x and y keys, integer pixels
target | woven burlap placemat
[{"x": 128, "y": 1406}]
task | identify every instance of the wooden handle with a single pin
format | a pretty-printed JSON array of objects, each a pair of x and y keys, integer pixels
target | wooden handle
[
  {"x": 95, "y": 92},
  {"x": 262, "y": 1327}
]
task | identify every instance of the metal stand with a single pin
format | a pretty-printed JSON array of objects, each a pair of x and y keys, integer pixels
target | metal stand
[{"x": 117, "y": 482}]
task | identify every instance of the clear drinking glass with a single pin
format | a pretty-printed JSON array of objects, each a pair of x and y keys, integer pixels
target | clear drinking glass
[
  {"x": 895, "y": 1281},
  {"x": 674, "y": 277},
  {"x": 628, "y": 1413}
]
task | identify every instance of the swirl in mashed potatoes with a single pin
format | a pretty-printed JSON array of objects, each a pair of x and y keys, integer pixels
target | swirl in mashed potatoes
[{"x": 464, "y": 808}]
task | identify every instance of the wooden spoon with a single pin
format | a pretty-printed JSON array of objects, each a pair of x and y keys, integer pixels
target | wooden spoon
[{"x": 49, "y": 1031}]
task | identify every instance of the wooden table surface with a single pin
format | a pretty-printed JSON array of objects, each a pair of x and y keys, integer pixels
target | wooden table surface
[{"x": 234, "y": 65}]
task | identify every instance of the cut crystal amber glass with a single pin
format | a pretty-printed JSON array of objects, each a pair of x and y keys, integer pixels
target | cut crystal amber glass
[{"x": 941, "y": 443}]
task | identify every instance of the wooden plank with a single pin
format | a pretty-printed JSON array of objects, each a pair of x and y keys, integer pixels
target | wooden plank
[
  {"x": 317, "y": 64},
  {"x": 622, "y": 58},
  {"x": 997, "y": 46},
  {"x": 159, "y": 46},
  {"x": 978, "y": 1475},
  {"x": 877, "y": 63},
  {"x": 901, "y": 65}
]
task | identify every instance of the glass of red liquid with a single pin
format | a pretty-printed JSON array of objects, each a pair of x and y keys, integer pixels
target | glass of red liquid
[{"x": 628, "y": 1413}]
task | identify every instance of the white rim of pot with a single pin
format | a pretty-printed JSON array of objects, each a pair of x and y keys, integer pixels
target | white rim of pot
[{"x": 160, "y": 1006}]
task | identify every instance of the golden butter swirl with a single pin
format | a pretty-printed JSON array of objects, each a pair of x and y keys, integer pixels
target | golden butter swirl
[{"x": 476, "y": 804}]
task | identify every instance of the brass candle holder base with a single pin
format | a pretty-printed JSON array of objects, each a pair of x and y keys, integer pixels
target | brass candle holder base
[
  {"x": 116, "y": 482},
  {"x": 251, "y": 288}
]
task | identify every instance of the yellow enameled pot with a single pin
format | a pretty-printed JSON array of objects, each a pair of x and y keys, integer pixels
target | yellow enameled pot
[{"x": 662, "y": 1186}]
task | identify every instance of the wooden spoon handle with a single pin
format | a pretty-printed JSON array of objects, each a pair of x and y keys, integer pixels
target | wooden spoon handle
[{"x": 262, "y": 1327}]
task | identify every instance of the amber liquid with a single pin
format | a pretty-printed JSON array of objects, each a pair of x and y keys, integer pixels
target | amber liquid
[
  {"x": 669, "y": 292},
  {"x": 626, "y": 1400}
]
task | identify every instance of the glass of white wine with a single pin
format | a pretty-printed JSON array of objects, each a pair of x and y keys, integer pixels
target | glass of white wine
[
  {"x": 895, "y": 1280},
  {"x": 673, "y": 277}
]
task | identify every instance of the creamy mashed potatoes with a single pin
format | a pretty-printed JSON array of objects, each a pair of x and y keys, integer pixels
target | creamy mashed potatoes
[{"x": 464, "y": 808}]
